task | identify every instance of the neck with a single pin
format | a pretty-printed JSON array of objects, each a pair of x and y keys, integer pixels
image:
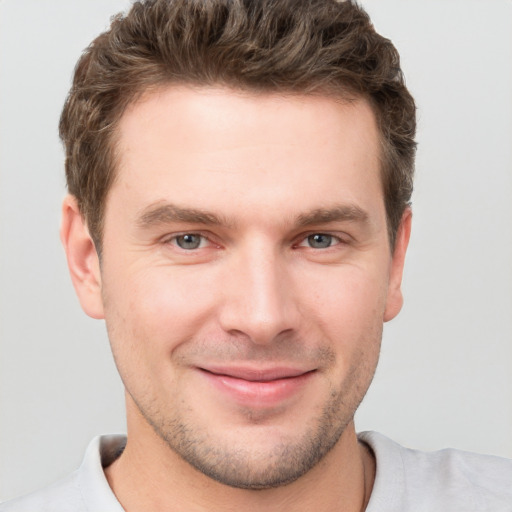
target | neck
[{"x": 150, "y": 476}]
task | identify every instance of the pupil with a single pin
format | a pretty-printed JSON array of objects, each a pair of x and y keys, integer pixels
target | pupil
[
  {"x": 188, "y": 241},
  {"x": 320, "y": 241}
]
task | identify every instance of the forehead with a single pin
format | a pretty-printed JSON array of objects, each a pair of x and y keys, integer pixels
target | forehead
[
  {"x": 200, "y": 144},
  {"x": 196, "y": 110}
]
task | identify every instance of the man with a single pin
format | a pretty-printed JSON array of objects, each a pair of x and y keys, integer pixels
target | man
[{"x": 239, "y": 177}]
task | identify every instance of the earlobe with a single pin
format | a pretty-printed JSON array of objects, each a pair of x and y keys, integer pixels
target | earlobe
[
  {"x": 394, "y": 300},
  {"x": 83, "y": 261}
]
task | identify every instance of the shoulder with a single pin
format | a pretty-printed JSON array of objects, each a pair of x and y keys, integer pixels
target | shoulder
[
  {"x": 59, "y": 497},
  {"x": 86, "y": 489},
  {"x": 451, "y": 480}
]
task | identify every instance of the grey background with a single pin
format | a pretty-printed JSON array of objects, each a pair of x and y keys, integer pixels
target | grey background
[{"x": 445, "y": 376}]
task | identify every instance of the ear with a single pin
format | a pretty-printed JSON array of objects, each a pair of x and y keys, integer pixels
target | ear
[
  {"x": 83, "y": 261},
  {"x": 395, "y": 298}
]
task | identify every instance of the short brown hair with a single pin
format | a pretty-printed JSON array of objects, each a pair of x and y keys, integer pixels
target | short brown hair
[{"x": 290, "y": 46}]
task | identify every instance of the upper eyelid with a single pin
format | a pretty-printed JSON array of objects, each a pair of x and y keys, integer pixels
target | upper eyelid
[
  {"x": 342, "y": 237},
  {"x": 296, "y": 240},
  {"x": 171, "y": 240},
  {"x": 173, "y": 236},
  {"x": 337, "y": 239}
]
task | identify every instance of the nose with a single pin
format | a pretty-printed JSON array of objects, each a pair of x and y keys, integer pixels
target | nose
[{"x": 258, "y": 296}]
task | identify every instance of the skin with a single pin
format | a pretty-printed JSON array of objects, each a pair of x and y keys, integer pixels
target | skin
[{"x": 245, "y": 277}]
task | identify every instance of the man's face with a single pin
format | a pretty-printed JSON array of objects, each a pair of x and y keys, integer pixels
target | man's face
[{"x": 246, "y": 275}]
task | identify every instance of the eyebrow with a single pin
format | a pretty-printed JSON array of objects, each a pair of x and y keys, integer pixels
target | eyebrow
[
  {"x": 166, "y": 213},
  {"x": 346, "y": 213}
]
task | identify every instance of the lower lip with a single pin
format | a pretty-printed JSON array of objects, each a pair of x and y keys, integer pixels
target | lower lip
[{"x": 258, "y": 393}]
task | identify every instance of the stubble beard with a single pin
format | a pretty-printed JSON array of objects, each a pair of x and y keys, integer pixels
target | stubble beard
[{"x": 254, "y": 468}]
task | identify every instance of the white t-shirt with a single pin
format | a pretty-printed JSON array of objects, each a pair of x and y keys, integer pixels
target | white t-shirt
[{"x": 406, "y": 481}]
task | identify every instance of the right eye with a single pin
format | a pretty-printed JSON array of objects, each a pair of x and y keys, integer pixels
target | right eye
[{"x": 189, "y": 241}]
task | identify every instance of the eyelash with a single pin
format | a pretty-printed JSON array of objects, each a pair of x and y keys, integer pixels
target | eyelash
[
  {"x": 333, "y": 240},
  {"x": 304, "y": 240},
  {"x": 174, "y": 240}
]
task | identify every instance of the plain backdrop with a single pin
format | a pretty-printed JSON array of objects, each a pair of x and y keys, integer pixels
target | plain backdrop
[{"x": 445, "y": 376}]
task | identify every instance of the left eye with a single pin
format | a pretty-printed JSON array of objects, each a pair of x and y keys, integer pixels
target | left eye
[
  {"x": 320, "y": 241},
  {"x": 189, "y": 241}
]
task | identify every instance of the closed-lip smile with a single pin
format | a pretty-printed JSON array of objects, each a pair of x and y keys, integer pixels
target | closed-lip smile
[{"x": 257, "y": 387}]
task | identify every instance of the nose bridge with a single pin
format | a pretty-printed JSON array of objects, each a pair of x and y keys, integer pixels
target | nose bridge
[{"x": 258, "y": 300}]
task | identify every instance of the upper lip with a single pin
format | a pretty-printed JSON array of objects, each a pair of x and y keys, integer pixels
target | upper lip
[{"x": 256, "y": 374}]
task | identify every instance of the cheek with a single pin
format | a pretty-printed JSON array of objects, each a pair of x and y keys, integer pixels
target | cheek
[
  {"x": 154, "y": 310},
  {"x": 351, "y": 299},
  {"x": 349, "y": 311}
]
